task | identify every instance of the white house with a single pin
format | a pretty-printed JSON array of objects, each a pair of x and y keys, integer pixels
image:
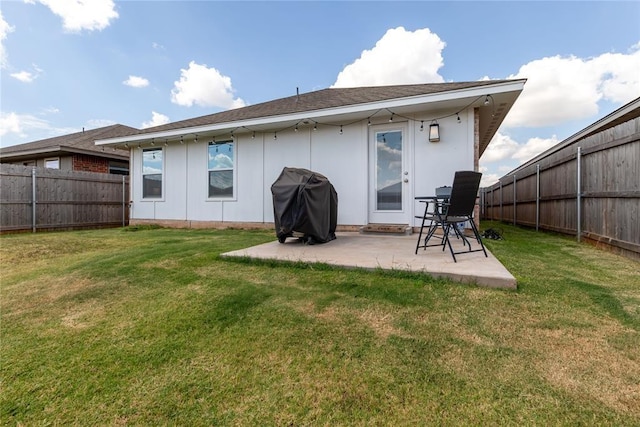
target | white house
[{"x": 372, "y": 143}]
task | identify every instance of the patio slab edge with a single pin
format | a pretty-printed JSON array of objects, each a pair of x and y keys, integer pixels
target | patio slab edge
[{"x": 353, "y": 250}]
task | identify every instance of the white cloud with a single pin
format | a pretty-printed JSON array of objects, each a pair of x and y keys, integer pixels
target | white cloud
[
  {"x": 78, "y": 15},
  {"x": 205, "y": 87},
  {"x": 135, "y": 81},
  {"x": 9, "y": 123},
  {"x": 24, "y": 76},
  {"x": 157, "y": 46},
  {"x": 28, "y": 76},
  {"x": 157, "y": 119},
  {"x": 27, "y": 127},
  {"x": 5, "y": 29},
  {"x": 488, "y": 179},
  {"x": 561, "y": 89},
  {"x": 99, "y": 123},
  {"x": 501, "y": 147},
  {"x": 50, "y": 110},
  {"x": 533, "y": 147},
  {"x": 399, "y": 57}
]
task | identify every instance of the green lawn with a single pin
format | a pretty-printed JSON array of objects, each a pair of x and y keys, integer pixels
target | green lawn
[{"x": 150, "y": 327}]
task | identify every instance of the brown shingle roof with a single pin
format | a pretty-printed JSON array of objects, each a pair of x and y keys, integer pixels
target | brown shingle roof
[
  {"x": 79, "y": 141},
  {"x": 321, "y": 99}
]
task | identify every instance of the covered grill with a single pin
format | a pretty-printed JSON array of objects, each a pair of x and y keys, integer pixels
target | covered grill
[{"x": 305, "y": 203}]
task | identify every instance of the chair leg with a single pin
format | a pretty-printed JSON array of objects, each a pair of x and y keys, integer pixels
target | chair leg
[
  {"x": 420, "y": 236},
  {"x": 477, "y": 234},
  {"x": 447, "y": 241}
]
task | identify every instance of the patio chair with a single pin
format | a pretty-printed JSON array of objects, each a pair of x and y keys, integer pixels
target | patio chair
[{"x": 448, "y": 213}]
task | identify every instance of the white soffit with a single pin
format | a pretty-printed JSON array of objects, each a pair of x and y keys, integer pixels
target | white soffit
[{"x": 456, "y": 99}]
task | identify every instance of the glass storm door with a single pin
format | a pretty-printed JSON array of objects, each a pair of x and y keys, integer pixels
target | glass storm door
[{"x": 388, "y": 175}]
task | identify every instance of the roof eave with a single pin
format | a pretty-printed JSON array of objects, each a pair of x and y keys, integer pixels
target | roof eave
[
  {"x": 363, "y": 108},
  {"x": 60, "y": 150}
]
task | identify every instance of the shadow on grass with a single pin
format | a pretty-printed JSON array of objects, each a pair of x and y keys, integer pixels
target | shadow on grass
[{"x": 603, "y": 298}]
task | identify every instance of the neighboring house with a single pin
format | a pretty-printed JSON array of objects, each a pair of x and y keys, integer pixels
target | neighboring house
[
  {"x": 73, "y": 152},
  {"x": 372, "y": 143}
]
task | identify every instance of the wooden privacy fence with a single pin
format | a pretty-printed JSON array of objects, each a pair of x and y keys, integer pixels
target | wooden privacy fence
[
  {"x": 590, "y": 189},
  {"x": 49, "y": 199}
]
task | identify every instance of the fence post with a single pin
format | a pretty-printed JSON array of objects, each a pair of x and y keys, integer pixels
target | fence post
[
  {"x": 537, "y": 196},
  {"x": 501, "y": 212},
  {"x": 124, "y": 190},
  {"x": 33, "y": 200},
  {"x": 578, "y": 195},
  {"x": 515, "y": 205}
]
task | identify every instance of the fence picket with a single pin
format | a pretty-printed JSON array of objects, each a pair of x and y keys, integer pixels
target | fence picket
[{"x": 63, "y": 199}]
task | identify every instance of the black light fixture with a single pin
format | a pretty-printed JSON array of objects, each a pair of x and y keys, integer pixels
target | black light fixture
[
  {"x": 340, "y": 129},
  {"x": 434, "y": 131}
]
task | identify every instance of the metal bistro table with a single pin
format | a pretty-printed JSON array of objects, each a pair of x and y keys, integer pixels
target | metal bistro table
[{"x": 435, "y": 218}]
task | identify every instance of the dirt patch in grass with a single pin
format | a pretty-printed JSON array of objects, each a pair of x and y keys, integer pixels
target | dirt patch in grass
[
  {"x": 83, "y": 315},
  {"x": 584, "y": 363},
  {"x": 380, "y": 321},
  {"x": 73, "y": 302}
]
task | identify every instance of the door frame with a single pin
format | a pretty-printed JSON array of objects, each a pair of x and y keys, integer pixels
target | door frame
[{"x": 403, "y": 215}]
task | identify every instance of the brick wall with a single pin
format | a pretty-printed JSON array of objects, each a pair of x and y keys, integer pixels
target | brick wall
[{"x": 86, "y": 163}]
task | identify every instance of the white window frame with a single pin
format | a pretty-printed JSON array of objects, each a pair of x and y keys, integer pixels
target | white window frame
[
  {"x": 142, "y": 175},
  {"x": 51, "y": 159},
  {"x": 232, "y": 197}
]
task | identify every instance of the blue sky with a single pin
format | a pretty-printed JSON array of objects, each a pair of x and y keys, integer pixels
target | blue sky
[{"x": 68, "y": 65}]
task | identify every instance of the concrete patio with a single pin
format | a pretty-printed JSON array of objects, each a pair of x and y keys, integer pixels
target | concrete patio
[{"x": 388, "y": 252}]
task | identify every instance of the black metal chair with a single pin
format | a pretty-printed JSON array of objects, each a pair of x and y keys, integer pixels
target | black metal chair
[{"x": 448, "y": 213}]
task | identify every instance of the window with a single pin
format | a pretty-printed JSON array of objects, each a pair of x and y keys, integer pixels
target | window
[
  {"x": 152, "y": 173},
  {"x": 221, "y": 164},
  {"x": 118, "y": 168},
  {"x": 52, "y": 163}
]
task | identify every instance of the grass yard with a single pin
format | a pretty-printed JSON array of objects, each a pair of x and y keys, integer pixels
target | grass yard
[{"x": 149, "y": 327}]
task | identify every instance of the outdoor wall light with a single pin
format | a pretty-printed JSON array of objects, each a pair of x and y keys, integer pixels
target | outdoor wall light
[{"x": 434, "y": 132}]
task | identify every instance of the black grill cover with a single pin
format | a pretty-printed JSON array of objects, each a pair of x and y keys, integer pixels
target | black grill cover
[{"x": 304, "y": 202}]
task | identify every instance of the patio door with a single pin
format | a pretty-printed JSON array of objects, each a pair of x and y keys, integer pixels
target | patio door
[{"x": 388, "y": 175}]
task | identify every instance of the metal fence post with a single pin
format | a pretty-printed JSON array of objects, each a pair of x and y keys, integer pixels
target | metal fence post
[
  {"x": 515, "y": 204},
  {"x": 578, "y": 195},
  {"x": 33, "y": 200},
  {"x": 537, "y": 196},
  {"x": 124, "y": 207},
  {"x": 501, "y": 212}
]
